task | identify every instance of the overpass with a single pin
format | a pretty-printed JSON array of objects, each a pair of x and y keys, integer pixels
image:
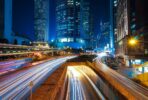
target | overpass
[{"x": 9, "y": 49}]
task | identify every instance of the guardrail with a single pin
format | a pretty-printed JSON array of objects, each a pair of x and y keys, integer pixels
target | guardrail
[
  {"x": 10, "y": 46},
  {"x": 9, "y": 49}
]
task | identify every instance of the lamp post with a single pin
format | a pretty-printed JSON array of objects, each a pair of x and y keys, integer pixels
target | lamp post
[{"x": 134, "y": 42}]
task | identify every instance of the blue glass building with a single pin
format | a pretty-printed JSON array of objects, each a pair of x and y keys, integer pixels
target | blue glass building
[
  {"x": 131, "y": 22},
  {"x": 72, "y": 19},
  {"x": 41, "y": 20},
  {"x": 87, "y": 23},
  {"x": 6, "y": 21}
]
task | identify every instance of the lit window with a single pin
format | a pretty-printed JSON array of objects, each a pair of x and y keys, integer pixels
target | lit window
[
  {"x": 70, "y": 40},
  {"x": 63, "y": 40},
  {"x": 80, "y": 40},
  {"x": 133, "y": 26}
]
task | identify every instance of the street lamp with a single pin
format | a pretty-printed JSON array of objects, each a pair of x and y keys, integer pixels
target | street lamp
[
  {"x": 133, "y": 41},
  {"x": 139, "y": 46}
]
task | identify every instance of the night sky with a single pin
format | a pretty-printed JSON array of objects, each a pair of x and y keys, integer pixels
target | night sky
[
  {"x": 103, "y": 10},
  {"x": 23, "y": 16},
  {"x": 52, "y": 20}
]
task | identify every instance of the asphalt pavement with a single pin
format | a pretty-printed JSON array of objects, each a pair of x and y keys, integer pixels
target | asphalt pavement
[{"x": 80, "y": 86}]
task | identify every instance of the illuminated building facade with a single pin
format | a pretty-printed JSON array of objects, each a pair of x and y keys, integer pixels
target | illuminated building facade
[
  {"x": 112, "y": 25},
  {"x": 131, "y": 21},
  {"x": 114, "y": 14},
  {"x": 6, "y": 21},
  {"x": 122, "y": 27},
  {"x": 73, "y": 23},
  {"x": 41, "y": 20},
  {"x": 139, "y": 27},
  {"x": 68, "y": 24},
  {"x": 87, "y": 28}
]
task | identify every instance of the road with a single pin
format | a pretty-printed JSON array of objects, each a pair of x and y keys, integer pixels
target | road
[
  {"x": 127, "y": 86},
  {"x": 19, "y": 84},
  {"x": 80, "y": 86},
  {"x": 13, "y": 65}
]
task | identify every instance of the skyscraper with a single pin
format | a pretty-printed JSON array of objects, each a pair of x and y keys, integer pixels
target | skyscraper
[
  {"x": 87, "y": 23},
  {"x": 41, "y": 20},
  {"x": 114, "y": 14},
  {"x": 68, "y": 23},
  {"x": 6, "y": 21},
  {"x": 112, "y": 25},
  {"x": 73, "y": 23},
  {"x": 132, "y": 22}
]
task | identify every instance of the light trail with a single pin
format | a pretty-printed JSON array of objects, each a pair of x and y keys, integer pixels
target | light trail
[
  {"x": 8, "y": 66},
  {"x": 127, "y": 86},
  {"x": 80, "y": 86},
  {"x": 17, "y": 87}
]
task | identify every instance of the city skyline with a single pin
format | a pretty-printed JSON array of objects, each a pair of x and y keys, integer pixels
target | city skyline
[
  {"x": 73, "y": 24},
  {"x": 28, "y": 16},
  {"x": 73, "y": 50}
]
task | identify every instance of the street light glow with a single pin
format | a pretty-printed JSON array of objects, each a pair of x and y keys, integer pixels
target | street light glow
[{"x": 132, "y": 41}]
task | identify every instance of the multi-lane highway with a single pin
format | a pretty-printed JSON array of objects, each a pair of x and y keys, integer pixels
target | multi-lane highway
[
  {"x": 83, "y": 82},
  {"x": 81, "y": 86},
  {"x": 18, "y": 85}
]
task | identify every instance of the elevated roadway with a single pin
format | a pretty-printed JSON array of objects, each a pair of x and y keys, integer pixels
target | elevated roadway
[{"x": 9, "y": 49}]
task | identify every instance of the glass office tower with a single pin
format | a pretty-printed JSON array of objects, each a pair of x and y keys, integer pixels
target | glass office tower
[
  {"x": 68, "y": 24},
  {"x": 74, "y": 23},
  {"x": 41, "y": 20}
]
